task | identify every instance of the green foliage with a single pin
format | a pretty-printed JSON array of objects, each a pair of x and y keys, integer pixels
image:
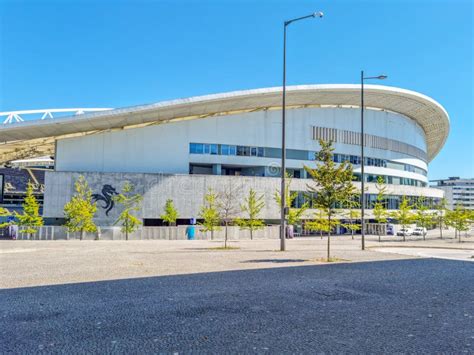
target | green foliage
[
  {"x": 460, "y": 219},
  {"x": 30, "y": 218},
  {"x": 171, "y": 213},
  {"x": 4, "y": 213},
  {"x": 380, "y": 209},
  {"x": 80, "y": 210},
  {"x": 320, "y": 223},
  {"x": 404, "y": 214},
  {"x": 332, "y": 183},
  {"x": 294, "y": 214},
  {"x": 423, "y": 217},
  {"x": 441, "y": 210},
  {"x": 209, "y": 213},
  {"x": 131, "y": 204},
  {"x": 252, "y": 206},
  {"x": 353, "y": 214}
]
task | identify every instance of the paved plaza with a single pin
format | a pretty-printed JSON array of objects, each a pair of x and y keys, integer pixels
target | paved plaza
[{"x": 185, "y": 296}]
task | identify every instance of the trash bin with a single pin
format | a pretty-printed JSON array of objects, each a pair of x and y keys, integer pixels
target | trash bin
[{"x": 190, "y": 232}]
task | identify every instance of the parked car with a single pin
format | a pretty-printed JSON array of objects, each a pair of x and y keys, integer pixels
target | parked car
[
  {"x": 405, "y": 232},
  {"x": 419, "y": 231}
]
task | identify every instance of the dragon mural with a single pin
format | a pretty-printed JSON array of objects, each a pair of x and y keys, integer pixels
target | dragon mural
[{"x": 106, "y": 197}]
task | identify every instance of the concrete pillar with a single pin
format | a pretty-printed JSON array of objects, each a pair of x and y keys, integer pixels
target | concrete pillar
[{"x": 216, "y": 169}]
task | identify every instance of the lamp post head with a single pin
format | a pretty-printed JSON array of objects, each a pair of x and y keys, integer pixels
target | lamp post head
[
  {"x": 318, "y": 14},
  {"x": 382, "y": 77}
]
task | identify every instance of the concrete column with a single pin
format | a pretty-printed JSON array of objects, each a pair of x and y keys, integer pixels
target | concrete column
[{"x": 216, "y": 169}]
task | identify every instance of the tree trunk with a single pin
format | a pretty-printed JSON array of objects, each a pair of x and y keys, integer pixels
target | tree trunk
[
  {"x": 225, "y": 237},
  {"x": 251, "y": 234},
  {"x": 424, "y": 234},
  {"x": 212, "y": 234},
  {"x": 441, "y": 228},
  {"x": 404, "y": 234},
  {"x": 459, "y": 236},
  {"x": 329, "y": 239},
  {"x": 82, "y": 234},
  {"x": 126, "y": 229},
  {"x": 321, "y": 233},
  {"x": 352, "y": 233}
]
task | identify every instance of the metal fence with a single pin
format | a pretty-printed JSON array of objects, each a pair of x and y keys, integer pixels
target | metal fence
[{"x": 147, "y": 233}]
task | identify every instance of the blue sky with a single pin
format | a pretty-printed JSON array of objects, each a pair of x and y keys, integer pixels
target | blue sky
[{"x": 121, "y": 53}]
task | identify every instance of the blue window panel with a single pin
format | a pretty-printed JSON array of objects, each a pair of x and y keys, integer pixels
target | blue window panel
[
  {"x": 213, "y": 149},
  {"x": 260, "y": 152}
]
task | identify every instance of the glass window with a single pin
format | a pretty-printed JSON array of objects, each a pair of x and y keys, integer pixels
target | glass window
[
  {"x": 224, "y": 149},
  {"x": 253, "y": 151},
  {"x": 213, "y": 149},
  {"x": 260, "y": 152},
  {"x": 232, "y": 150},
  {"x": 196, "y": 148}
]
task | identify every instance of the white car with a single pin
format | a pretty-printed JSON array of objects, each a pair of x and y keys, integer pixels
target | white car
[
  {"x": 419, "y": 231},
  {"x": 405, "y": 232}
]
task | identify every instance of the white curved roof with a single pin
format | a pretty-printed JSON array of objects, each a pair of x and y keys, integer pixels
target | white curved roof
[{"x": 34, "y": 138}]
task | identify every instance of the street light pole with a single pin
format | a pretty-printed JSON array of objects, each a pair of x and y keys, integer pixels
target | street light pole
[
  {"x": 283, "y": 133},
  {"x": 362, "y": 157}
]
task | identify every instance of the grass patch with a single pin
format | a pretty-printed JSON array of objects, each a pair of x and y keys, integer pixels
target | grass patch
[{"x": 224, "y": 248}]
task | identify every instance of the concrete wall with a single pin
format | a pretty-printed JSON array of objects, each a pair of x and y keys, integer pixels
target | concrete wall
[
  {"x": 187, "y": 192},
  {"x": 164, "y": 148}
]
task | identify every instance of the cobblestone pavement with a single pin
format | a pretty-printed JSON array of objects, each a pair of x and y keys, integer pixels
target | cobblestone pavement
[
  {"x": 398, "y": 306},
  {"x": 34, "y": 263}
]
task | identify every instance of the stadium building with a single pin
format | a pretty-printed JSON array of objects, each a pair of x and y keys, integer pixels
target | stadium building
[{"x": 179, "y": 149}]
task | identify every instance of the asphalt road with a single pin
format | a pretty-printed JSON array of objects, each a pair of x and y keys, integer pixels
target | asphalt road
[{"x": 422, "y": 305}]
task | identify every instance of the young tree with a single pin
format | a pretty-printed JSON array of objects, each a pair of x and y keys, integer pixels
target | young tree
[
  {"x": 319, "y": 223},
  {"x": 353, "y": 215},
  {"x": 228, "y": 208},
  {"x": 441, "y": 209},
  {"x": 294, "y": 214},
  {"x": 380, "y": 208},
  {"x": 131, "y": 204},
  {"x": 30, "y": 218},
  {"x": 422, "y": 215},
  {"x": 210, "y": 213},
  {"x": 403, "y": 215},
  {"x": 252, "y": 206},
  {"x": 459, "y": 219},
  {"x": 80, "y": 210},
  {"x": 171, "y": 213},
  {"x": 333, "y": 184}
]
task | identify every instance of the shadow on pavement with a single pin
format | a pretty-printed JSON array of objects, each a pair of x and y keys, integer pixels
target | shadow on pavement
[{"x": 276, "y": 261}]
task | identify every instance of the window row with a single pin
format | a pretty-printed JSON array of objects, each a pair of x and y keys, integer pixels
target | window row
[
  {"x": 239, "y": 150},
  {"x": 225, "y": 149},
  {"x": 391, "y": 202}
]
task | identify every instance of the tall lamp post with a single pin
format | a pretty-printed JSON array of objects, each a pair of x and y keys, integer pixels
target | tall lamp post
[
  {"x": 283, "y": 132},
  {"x": 362, "y": 162}
]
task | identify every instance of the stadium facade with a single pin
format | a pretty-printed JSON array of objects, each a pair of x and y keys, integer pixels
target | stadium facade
[{"x": 179, "y": 149}]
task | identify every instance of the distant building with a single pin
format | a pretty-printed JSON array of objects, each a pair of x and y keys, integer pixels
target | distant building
[{"x": 457, "y": 191}]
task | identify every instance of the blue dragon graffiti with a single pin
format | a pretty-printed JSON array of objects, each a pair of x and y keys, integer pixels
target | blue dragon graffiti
[{"x": 106, "y": 197}]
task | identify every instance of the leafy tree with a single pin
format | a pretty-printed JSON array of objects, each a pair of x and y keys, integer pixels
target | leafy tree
[
  {"x": 171, "y": 213},
  {"x": 319, "y": 223},
  {"x": 423, "y": 217},
  {"x": 80, "y": 210},
  {"x": 353, "y": 214},
  {"x": 252, "y": 206},
  {"x": 294, "y": 214},
  {"x": 403, "y": 215},
  {"x": 227, "y": 206},
  {"x": 441, "y": 209},
  {"x": 333, "y": 184},
  {"x": 380, "y": 208},
  {"x": 459, "y": 219},
  {"x": 210, "y": 214},
  {"x": 30, "y": 218},
  {"x": 131, "y": 204}
]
